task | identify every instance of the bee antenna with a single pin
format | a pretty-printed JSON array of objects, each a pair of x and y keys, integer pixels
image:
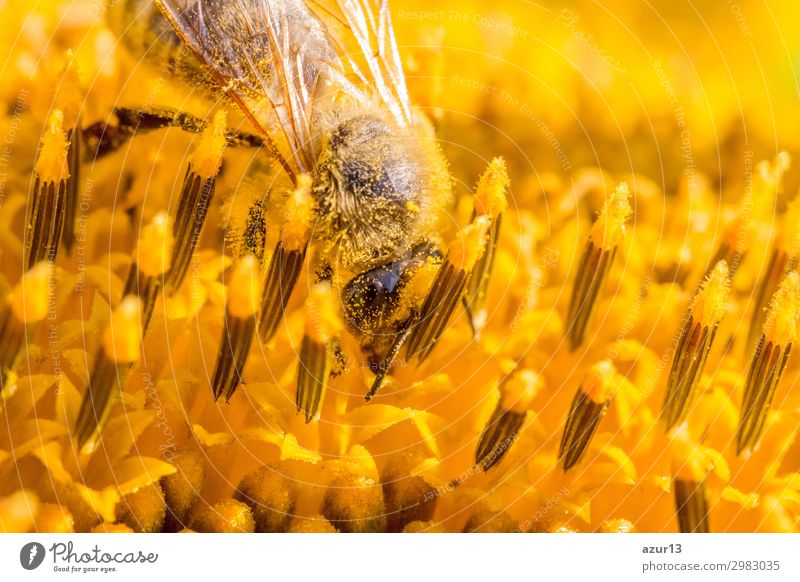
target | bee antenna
[{"x": 387, "y": 361}]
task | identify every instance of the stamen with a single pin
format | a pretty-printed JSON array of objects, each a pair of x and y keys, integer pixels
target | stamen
[
  {"x": 769, "y": 362},
  {"x": 691, "y": 505},
  {"x": 447, "y": 288},
  {"x": 500, "y": 432},
  {"x": 68, "y": 99},
  {"x": 45, "y": 218},
  {"x": 589, "y": 405},
  {"x": 491, "y": 201},
  {"x": 691, "y": 465},
  {"x": 696, "y": 338},
  {"x": 152, "y": 256},
  {"x": 782, "y": 261},
  {"x": 287, "y": 258},
  {"x": 607, "y": 233},
  {"x": 120, "y": 350},
  {"x": 323, "y": 325},
  {"x": 240, "y": 325},
  {"x": 195, "y": 200}
]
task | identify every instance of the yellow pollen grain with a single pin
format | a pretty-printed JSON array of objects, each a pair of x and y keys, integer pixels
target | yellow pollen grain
[
  {"x": 711, "y": 301},
  {"x": 244, "y": 289},
  {"x": 490, "y": 196},
  {"x": 123, "y": 337},
  {"x": 51, "y": 165},
  {"x": 781, "y": 325},
  {"x": 412, "y": 206},
  {"x": 601, "y": 382},
  {"x": 469, "y": 245},
  {"x": 299, "y": 213},
  {"x": 30, "y": 298},
  {"x": 323, "y": 321},
  {"x": 155, "y": 246},
  {"x": 520, "y": 390},
  {"x": 207, "y": 156},
  {"x": 609, "y": 228}
]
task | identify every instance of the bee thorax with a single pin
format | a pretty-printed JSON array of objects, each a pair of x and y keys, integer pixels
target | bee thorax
[{"x": 367, "y": 183}]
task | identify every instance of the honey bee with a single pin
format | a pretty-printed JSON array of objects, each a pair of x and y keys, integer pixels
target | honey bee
[{"x": 322, "y": 84}]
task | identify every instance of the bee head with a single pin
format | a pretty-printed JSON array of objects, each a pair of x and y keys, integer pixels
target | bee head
[{"x": 370, "y": 297}]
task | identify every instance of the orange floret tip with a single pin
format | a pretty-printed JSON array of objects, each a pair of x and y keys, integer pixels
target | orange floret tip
[
  {"x": 780, "y": 327},
  {"x": 206, "y": 159},
  {"x": 323, "y": 319},
  {"x": 244, "y": 289},
  {"x": 520, "y": 389},
  {"x": 469, "y": 245},
  {"x": 123, "y": 338},
  {"x": 601, "y": 382},
  {"x": 609, "y": 228},
  {"x": 490, "y": 196},
  {"x": 31, "y": 298},
  {"x": 155, "y": 246},
  {"x": 711, "y": 302},
  {"x": 51, "y": 165},
  {"x": 299, "y": 215}
]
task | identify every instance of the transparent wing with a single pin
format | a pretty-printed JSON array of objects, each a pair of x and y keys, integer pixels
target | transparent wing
[
  {"x": 363, "y": 33},
  {"x": 269, "y": 56}
]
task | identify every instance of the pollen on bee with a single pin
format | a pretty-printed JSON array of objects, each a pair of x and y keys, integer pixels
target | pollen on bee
[
  {"x": 696, "y": 338},
  {"x": 516, "y": 394},
  {"x": 589, "y": 405},
  {"x": 769, "y": 362},
  {"x": 598, "y": 255}
]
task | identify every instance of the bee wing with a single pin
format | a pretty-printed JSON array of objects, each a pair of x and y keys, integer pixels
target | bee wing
[
  {"x": 269, "y": 56},
  {"x": 363, "y": 32}
]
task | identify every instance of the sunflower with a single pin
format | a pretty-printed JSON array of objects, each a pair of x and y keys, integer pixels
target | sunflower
[{"x": 612, "y": 346}]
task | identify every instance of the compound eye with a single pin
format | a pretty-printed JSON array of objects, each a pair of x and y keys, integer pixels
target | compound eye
[{"x": 368, "y": 298}]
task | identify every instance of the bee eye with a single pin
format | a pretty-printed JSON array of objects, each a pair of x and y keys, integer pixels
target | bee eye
[{"x": 373, "y": 291}]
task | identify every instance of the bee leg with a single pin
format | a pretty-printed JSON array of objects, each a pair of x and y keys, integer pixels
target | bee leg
[
  {"x": 387, "y": 361},
  {"x": 103, "y": 139}
]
